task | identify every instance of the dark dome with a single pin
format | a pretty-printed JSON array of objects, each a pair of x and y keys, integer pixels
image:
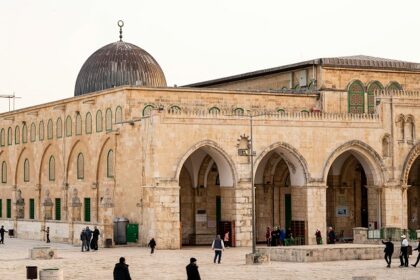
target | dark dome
[{"x": 118, "y": 64}]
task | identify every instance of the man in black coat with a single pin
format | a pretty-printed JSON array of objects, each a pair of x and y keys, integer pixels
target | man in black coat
[
  {"x": 2, "y": 231},
  {"x": 418, "y": 257},
  {"x": 121, "y": 270},
  {"x": 95, "y": 237},
  {"x": 192, "y": 270},
  {"x": 389, "y": 250}
]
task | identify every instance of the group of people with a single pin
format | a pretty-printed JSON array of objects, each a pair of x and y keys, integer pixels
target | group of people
[
  {"x": 277, "y": 236},
  {"x": 404, "y": 252},
  {"x": 89, "y": 239}
]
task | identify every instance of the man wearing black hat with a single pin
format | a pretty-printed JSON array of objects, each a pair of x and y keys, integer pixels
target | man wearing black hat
[{"x": 192, "y": 270}]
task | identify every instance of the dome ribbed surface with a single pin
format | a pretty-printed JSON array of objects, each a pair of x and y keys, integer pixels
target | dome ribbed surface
[{"x": 118, "y": 64}]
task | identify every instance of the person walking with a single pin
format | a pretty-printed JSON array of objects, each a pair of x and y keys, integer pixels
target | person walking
[
  {"x": 192, "y": 270},
  {"x": 418, "y": 256},
  {"x": 389, "y": 250},
  {"x": 2, "y": 231},
  {"x": 88, "y": 233},
  {"x": 318, "y": 237},
  {"x": 404, "y": 252},
  {"x": 95, "y": 237},
  {"x": 47, "y": 232},
  {"x": 83, "y": 239},
  {"x": 152, "y": 245},
  {"x": 218, "y": 246},
  {"x": 226, "y": 239},
  {"x": 331, "y": 236},
  {"x": 268, "y": 236},
  {"x": 121, "y": 270}
]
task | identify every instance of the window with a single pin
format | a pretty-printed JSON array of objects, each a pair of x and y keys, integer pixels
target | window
[
  {"x": 238, "y": 112},
  {"x": 8, "y": 208},
  {"x": 24, "y": 133},
  {"x": 400, "y": 127},
  {"x": 214, "y": 110},
  {"x": 281, "y": 111},
  {"x": 118, "y": 115},
  {"x": 4, "y": 172},
  {"x": 394, "y": 86},
  {"x": 80, "y": 166},
  {"x": 17, "y": 135},
  {"x": 33, "y": 132},
  {"x": 88, "y": 125},
  {"x": 51, "y": 169},
  {"x": 58, "y": 209},
  {"x": 31, "y": 208},
  {"x": 99, "y": 121},
  {"x": 356, "y": 98},
  {"x": 374, "y": 86},
  {"x": 50, "y": 129},
  {"x": 59, "y": 132},
  {"x": 78, "y": 124},
  {"x": 175, "y": 110},
  {"x": 26, "y": 170},
  {"x": 409, "y": 129},
  {"x": 87, "y": 209},
  {"x": 305, "y": 111},
  {"x": 9, "y": 136},
  {"x": 110, "y": 164},
  {"x": 41, "y": 131},
  {"x": 386, "y": 146},
  {"x": 108, "y": 119},
  {"x": 68, "y": 126},
  {"x": 2, "y": 137},
  {"x": 147, "y": 110}
]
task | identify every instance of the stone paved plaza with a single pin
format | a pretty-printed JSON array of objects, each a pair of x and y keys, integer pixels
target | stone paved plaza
[{"x": 170, "y": 264}]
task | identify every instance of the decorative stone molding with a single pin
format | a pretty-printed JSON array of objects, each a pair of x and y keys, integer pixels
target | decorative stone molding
[
  {"x": 20, "y": 205},
  {"x": 75, "y": 200},
  {"x": 107, "y": 201},
  {"x": 410, "y": 159},
  {"x": 47, "y": 200}
]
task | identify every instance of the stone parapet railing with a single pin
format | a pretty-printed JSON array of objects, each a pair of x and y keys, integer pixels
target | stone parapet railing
[{"x": 397, "y": 93}]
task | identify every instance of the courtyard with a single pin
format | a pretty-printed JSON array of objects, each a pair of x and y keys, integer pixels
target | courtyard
[{"x": 170, "y": 264}]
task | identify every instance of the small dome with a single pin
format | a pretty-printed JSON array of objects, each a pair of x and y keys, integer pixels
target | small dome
[{"x": 118, "y": 64}]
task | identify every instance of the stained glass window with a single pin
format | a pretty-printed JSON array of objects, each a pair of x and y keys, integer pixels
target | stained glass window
[
  {"x": 356, "y": 98},
  {"x": 375, "y": 86}
]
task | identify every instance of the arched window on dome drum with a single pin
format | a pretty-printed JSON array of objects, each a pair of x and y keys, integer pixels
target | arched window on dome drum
[
  {"x": 175, "y": 110},
  {"x": 374, "y": 86},
  {"x": 68, "y": 126},
  {"x": 51, "y": 169},
  {"x": 356, "y": 98},
  {"x": 80, "y": 166},
  {"x": 78, "y": 124},
  {"x": 33, "y": 132},
  {"x": 305, "y": 112},
  {"x": 88, "y": 123},
  {"x": 2, "y": 137},
  {"x": 24, "y": 133},
  {"x": 4, "y": 172},
  {"x": 41, "y": 131},
  {"x": 9, "y": 136},
  {"x": 110, "y": 164},
  {"x": 59, "y": 128},
  {"x": 238, "y": 112},
  {"x": 214, "y": 110},
  {"x": 17, "y": 135},
  {"x": 108, "y": 119},
  {"x": 26, "y": 170},
  {"x": 50, "y": 129},
  {"x": 147, "y": 110},
  {"x": 99, "y": 121},
  {"x": 394, "y": 86},
  {"x": 118, "y": 114},
  {"x": 281, "y": 111}
]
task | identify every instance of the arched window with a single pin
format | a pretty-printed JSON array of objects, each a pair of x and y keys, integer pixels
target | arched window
[
  {"x": 68, "y": 126},
  {"x": 108, "y": 119},
  {"x": 88, "y": 124},
  {"x": 394, "y": 86},
  {"x": 281, "y": 111},
  {"x": 26, "y": 170},
  {"x": 305, "y": 111},
  {"x": 386, "y": 146},
  {"x": 51, "y": 169},
  {"x": 118, "y": 115},
  {"x": 80, "y": 166},
  {"x": 33, "y": 132},
  {"x": 214, "y": 110},
  {"x": 41, "y": 131},
  {"x": 400, "y": 128},
  {"x": 409, "y": 129},
  {"x": 356, "y": 98},
  {"x": 78, "y": 124},
  {"x": 50, "y": 129},
  {"x": 4, "y": 172},
  {"x": 175, "y": 109},
  {"x": 59, "y": 127},
  {"x": 238, "y": 112},
  {"x": 17, "y": 135},
  {"x": 9, "y": 136},
  {"x": 374, "y": 86},
  {"x": 24, "y": 133},
  {"x": 99, "y": 121},
  {"x": 2, "y": 137},
  {"x": 110, "y": 164},
  {"x": 147, "y": 110}
]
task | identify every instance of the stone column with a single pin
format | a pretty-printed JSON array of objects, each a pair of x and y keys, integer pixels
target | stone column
[
  {"x": 106, "y": 218},
  {"x": 243, "y": 213},
  {"x": 74, "y": 214},
  {"x": 20, "y": 205},
  {"x": 394, "y": 206},
  {"x": 316, "y": 200},
  {"x": 47, "y": 206}
]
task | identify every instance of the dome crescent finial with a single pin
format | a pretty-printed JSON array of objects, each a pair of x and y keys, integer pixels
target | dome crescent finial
[{"x": 120, "y": 24}]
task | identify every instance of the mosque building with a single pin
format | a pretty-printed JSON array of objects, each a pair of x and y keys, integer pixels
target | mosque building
[{"x": 334, "y": 143}]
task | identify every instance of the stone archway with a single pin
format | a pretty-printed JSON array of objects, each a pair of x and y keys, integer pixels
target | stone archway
[{"x": 410, "y": 176}]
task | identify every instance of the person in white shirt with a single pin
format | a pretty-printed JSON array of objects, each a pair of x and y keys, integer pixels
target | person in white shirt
[
  {"x": 218, "y": 246},
  {"x": 404, "y": 251}
]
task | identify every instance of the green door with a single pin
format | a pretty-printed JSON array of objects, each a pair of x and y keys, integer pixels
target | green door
[
  {"x": 9, "y": 208},
  {"x": 1, "y": 208},
  {"x": 288, "y": 209},
  {"x": 58, "y": 209},
  {"x": 87, "y": 209},
  {"x": 132, "y": 232},
  {"x": 31, "y": 208}
]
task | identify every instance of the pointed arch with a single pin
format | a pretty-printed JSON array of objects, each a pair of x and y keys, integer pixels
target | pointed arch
[
  {"x": 42, "y": 161},
  {"x": 408, "y": 163},
  {"x": 98, "y": 162},
  {"x": 17, "y": 165},
  {"x": 356, "y": 97},
  {"x": 78, "y": 124}
]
